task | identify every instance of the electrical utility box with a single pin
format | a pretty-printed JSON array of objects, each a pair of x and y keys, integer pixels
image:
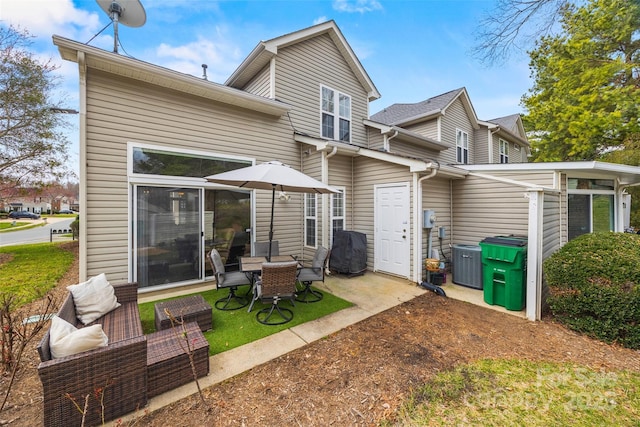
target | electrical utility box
[
  {"x": 428, "y": 218},
  {"x": 466, "y": 264}
]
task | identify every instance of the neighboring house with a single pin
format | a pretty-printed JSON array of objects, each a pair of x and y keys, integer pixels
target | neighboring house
[
  {"x": 30, "y": 204},
  {"x": 149, "y": 136}
]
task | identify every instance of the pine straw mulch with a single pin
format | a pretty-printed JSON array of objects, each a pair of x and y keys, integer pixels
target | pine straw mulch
[{"x": 361, "y": 374}]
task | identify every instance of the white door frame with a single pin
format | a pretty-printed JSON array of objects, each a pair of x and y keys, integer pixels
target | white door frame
[{"x": 404, "y": 254}]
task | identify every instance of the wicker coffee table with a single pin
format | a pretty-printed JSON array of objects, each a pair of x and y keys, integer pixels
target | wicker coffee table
[
  {"x": 191, "y": 309},
  {"x": 168, "y": 364}
]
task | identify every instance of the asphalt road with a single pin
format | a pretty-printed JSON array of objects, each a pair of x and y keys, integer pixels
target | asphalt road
[{"x": 37, "y": 234}]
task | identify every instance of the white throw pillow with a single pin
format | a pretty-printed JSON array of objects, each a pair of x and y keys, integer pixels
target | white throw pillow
[
  {"x": 93, "y": 298},
  {"x": 65, "y": 339}
]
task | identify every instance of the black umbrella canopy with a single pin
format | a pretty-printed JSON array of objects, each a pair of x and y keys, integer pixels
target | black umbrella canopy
[{"x": 271, "y": 176}]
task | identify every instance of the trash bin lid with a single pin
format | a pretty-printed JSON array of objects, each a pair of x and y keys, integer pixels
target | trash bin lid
[{"x": 506, "y": 240}]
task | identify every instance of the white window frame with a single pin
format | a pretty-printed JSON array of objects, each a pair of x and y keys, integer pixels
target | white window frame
[
  {"x": 332, "y": 216},
  {"x": 462, "y": 147},
  {"x": 504, "y": 151},
  {"x": 337, "y": 111},
  {"x": 311, "y": 215}
]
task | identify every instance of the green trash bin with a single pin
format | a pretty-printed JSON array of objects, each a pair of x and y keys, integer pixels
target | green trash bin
[{"x": 504, "y": 271}]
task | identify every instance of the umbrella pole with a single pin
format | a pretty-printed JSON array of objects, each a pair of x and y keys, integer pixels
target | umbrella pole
[{"x": 273, "y": 201}]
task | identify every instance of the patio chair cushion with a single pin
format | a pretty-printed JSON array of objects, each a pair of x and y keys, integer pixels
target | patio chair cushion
[
  {"x": 93, "y": 298},
  {"x": 218, "y": 266},
  {"x": 65, "y": 339}
]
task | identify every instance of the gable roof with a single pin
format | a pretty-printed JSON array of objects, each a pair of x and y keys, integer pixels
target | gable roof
[
  {"x": 508, "y": 126},
  {"x": 92, "y": 57},
  {"x": 266, "y": 50},
  {"x": 406, "y": 114}
]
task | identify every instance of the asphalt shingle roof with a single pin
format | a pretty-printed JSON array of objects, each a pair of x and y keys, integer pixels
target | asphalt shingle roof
[
  {"x": 509, "y": 123},
  {"x": 398, "y": 113}
]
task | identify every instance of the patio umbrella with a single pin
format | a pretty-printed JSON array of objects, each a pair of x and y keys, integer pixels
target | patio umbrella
[{"x": 272, "y": 176}]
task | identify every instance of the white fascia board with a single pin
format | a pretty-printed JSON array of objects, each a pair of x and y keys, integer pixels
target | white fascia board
[
  {"x": 414, "y": 165},
  {"x": 628, "y": 175},
  {"x": 164, "y": 77}
]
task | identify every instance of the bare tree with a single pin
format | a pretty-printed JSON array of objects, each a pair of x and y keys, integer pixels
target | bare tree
[
  {"x": 515, "y": 24},
  {"x": 33, "y": 148}
]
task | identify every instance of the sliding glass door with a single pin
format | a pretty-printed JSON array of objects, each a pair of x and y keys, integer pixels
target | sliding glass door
[{"x": 167, "y": 244}]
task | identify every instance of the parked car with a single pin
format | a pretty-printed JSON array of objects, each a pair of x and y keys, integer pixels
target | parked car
[
  {"x": 23, "y": 215},
  {"x": 66, "y": 211}
]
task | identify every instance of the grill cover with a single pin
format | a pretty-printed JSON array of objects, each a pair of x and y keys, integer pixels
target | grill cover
[{"x": 349, "y": 252}]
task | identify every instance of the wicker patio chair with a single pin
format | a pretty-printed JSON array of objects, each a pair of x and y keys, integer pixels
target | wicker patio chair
[
  {"x": 277, "y": 282},
  {"x": 230, "y": 280},
  {"x": 315, "y": 273}
]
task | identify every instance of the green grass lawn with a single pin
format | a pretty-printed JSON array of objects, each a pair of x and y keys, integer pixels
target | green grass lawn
[
  {"x": 519, "y": 393},
  {"x": 237, "y": 327},
  {"x": 33, "y": 270},
  {"x": 9, "y": 225}
]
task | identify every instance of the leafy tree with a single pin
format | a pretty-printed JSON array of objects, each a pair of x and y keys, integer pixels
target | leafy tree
[
  {"x": 33, "y": 149},
  {"x": 584, "y": 101},
  {"x": 513, "y": 25}
]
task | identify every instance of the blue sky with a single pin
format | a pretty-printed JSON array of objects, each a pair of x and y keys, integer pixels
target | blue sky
[{"x": 412, "y": 50}]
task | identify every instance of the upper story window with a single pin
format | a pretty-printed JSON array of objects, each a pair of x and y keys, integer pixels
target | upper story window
[
  {"x": 336, "y": 115},
  {"x": 504, "y": 151},
  {"x": 462, "y": 147}
]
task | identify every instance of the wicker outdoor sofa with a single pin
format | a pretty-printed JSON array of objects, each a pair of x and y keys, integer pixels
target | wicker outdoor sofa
[{"x": 114, "y": 377}]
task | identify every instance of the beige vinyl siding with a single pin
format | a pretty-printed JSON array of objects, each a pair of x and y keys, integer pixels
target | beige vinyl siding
[
  {"x": 341, "y": 175},
  {"x": 313, "y": 168},
  {"x": 428, "y": 129},
  {"x": 370, "y": 172},
  {"x": 519, "y": 154},
  {"x": 483, "y": 208},
  {"x": 564, "y": 209},
  {"x": 375, "y": 140},
  {"x": 541, "y": 178},
  {"x": 480, "y": 205},
  {"x": 552, "y": 232},
  {"x": 456, "y": 118},
  {"x": 260, "y": 84},
  {"x": 436, "y": 195},
  {"x": 411, "y": 150},
  {"x": 119, "y": 111},
  {"x": 481, "y": 145},
  {"x": 340, "y": 168},
  {"x": 301, "y": 69}
]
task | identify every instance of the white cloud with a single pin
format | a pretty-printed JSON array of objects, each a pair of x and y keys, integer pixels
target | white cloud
[
  {"x": 359, "y": 6},
  {"x": 320, "y": 20},
  {"x": 43, "y": 18},
  {"x": 220, "y": 55}
]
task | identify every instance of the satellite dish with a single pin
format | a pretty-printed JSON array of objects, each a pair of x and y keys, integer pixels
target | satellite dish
[{"x": 127, "y": 12}]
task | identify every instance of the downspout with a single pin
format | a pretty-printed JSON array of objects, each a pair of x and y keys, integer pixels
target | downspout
[
  {"x": 417, "y": 214},
  {"x": 325, "y": 197},
  {"x": 387, "y": 138},
  {"x": 490, "y": 148}
]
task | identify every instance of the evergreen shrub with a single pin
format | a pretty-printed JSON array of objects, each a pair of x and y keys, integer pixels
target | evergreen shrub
[{"x": 594, "y": 286}]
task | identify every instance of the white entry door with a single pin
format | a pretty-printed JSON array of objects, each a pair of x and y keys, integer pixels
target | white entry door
[{"x": 392, "y": 232}]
